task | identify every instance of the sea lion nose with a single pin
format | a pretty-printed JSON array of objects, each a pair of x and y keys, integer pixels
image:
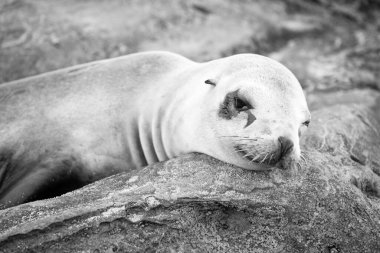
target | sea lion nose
[{"x": 286, "y": 145}]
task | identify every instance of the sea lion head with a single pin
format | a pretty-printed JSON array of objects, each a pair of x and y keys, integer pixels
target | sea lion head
[{"x": 257, "y": 113}]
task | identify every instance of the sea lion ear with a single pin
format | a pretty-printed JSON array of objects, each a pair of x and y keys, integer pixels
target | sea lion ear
[{"x": 211, "y": 81}]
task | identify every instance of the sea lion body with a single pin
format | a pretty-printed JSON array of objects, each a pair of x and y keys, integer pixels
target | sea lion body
[{"x": 67, "y": 128}]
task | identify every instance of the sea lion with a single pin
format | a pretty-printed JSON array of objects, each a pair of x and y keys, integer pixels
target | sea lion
[{"x": 67, "y": 128}]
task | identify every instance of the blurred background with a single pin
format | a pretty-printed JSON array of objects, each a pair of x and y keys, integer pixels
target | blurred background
[{"x": 329, "y": 45}]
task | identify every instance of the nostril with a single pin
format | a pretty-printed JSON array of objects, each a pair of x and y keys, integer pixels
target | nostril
[{"x": 286, "y": 145}]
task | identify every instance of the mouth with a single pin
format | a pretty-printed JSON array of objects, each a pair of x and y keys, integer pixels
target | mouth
[
  {"x": 267, "y": 159},
  {"x": 260, "y": 158}
]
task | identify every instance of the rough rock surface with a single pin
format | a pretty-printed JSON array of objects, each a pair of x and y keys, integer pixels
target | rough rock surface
[{"x": 196, "y": 203}]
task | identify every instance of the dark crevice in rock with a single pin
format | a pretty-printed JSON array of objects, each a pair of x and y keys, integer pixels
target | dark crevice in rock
[
  {"x": 55, "y": 226},
  {"x": 375, "y": 167},
  {"x": 355, "y": 159},
  {"x": 333, "y": 249},
  {"x": 202, "y": 9},
  {"x": 367, "y": 186}
]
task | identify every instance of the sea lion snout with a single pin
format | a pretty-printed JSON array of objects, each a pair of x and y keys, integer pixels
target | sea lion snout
[
  {"x": 286, "y": 145},
  {"x": 288, "y": 153}
]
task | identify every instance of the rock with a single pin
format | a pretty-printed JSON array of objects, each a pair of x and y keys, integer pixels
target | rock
[{"x": 196, "y": 203}]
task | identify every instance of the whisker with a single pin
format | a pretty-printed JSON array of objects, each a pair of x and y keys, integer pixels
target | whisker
[
  {"x": 240, "y": 150},
  {"x": 304, "y": 161},
  {"x": 270, "y": 158},
  {"x": 255, "y": 154},
  {"x": 255, "y": 158},
  {"x": 263, "y": 160},
  {"x": 252, "y": 152},
  {"x": 246, "y": 155}
]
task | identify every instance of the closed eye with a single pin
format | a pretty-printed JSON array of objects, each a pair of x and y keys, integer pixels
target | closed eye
[{"x": 303, "y": 127}]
